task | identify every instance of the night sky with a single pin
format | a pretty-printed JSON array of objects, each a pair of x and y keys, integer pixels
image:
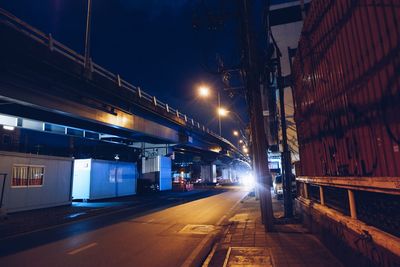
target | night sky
[{"x": 151, "y": 44}]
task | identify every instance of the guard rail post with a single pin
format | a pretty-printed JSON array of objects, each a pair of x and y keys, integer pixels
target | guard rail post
[
  {"x": 352, "y": 204},
  {"x": 321, "y": 195}
]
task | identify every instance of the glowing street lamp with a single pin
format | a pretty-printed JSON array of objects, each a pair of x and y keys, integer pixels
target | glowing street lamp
[
  {"x": 245, "y": 150},
  {"x": 204, "y": 91},
  {"x": 235, "y": 133},
  {"x": 240, "y": 141},
  {"x": 222, "y": 112}
]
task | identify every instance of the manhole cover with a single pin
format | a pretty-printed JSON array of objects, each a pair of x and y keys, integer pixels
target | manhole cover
[
  {"x": 201, "y": 229},
  {"x": 241, "y": 217},
  {"x": 248, "y": 256}
]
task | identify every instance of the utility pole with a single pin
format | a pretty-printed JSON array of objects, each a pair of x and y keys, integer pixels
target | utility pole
[
  {"x": 219, "y": 114},
  {"x": 286, "y": 157},
  {"x": 252, "y": 66},
  {"x": 87, "y": 34}
]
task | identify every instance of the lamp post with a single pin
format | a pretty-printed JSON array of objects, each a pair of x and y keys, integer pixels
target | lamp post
[
  {"x": 87, "y": 34},
  {"x": 204, "y": 92}
]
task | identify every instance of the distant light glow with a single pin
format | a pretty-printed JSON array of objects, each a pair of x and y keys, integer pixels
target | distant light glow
[
  {"x": 235, "y": 133},
  {"x": 240, "y": 141},
  {"x": 8, "y": 128},
  {"x": 215, "y": 149},
  {"x": 245, "y": 149},
  {"x": 222, "y": 111},
  {"x": 204, "y": 91},
  {"x": 248, "y": 180}
]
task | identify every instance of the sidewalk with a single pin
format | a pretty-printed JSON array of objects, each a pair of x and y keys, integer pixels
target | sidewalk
[{"x": 244, "y": 242}]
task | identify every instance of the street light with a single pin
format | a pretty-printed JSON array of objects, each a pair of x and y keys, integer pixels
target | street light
[
  {"x": 87, "y": 33},
  {"x": 204, "y": 91},
  {"x": 235, "y": 133},
  {"x": 222, "y": 112}
]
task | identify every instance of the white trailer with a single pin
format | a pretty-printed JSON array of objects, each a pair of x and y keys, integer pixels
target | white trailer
[
  {"x": 159, "y": 170},
  {"x": 97, "y": 179},
  {"x": 35, "y": 181}
]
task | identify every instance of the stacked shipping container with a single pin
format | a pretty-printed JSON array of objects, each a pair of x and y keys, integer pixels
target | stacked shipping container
[
  {"x": 347, "y": 110},
  {"x": 347, "y": 89}
]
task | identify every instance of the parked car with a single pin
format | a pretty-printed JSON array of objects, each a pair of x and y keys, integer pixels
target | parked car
[{"x": 278, "y": 186}]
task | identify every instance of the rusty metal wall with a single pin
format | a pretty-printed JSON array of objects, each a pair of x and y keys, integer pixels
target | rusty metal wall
[{"x": 347, "y": 89}]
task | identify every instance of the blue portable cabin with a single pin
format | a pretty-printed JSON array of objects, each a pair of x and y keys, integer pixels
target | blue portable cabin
[{"x": 98, "y": 179}]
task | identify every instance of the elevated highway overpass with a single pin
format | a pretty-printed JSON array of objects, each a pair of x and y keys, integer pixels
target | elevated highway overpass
[{"x": 43, "y": 80}]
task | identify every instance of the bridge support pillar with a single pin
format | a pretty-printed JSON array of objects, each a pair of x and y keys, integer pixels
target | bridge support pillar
[{"x": 208, "y": 173}]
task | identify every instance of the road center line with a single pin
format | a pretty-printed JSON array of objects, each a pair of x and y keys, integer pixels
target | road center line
[{"x": 75, "y": 251}]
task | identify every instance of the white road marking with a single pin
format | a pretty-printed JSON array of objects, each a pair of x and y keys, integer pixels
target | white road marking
[{"x": 75, "y": 251}]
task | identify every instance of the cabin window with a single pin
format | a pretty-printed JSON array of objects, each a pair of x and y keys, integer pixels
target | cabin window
[{"x": 27, "y": 176}]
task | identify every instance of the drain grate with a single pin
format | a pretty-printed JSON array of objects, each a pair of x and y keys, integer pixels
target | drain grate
[
  {"x": 248, "y": 256},
  {"x": 200, "y": 229}
]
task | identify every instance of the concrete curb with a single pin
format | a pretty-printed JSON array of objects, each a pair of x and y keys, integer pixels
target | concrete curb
[{"x": 202, "y": 251}]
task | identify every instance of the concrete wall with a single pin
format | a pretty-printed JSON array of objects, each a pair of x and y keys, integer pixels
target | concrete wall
[
  {"x": 56, "y": 188},
  {"x": 353, "y": 242}
]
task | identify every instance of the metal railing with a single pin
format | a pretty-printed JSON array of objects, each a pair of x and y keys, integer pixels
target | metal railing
[
  {"x": 343, "y": 193},
  {"x": 55, "y": 46}
]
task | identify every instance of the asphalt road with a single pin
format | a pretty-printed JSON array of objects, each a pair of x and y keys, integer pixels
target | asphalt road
[{"x": 155, "y": 239}]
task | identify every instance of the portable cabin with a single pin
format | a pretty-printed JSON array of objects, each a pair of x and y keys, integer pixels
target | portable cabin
[
  {"x": 97, "y": 179},
  {"x": 34, "y": 181},
  {"x": 158, "y": 170}
]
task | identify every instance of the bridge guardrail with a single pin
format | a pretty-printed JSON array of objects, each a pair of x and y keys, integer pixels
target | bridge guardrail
[{"x": 55, "y": 45}]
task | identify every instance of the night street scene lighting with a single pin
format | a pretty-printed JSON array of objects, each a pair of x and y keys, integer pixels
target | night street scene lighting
[
  {"x": 222, "y": 111},
  {"x": 199, "y": 133},
  {"x": 204, "y": 91}
]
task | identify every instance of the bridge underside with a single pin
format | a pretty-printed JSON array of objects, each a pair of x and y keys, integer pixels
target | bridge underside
[{"x": 40, "y": 84}]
